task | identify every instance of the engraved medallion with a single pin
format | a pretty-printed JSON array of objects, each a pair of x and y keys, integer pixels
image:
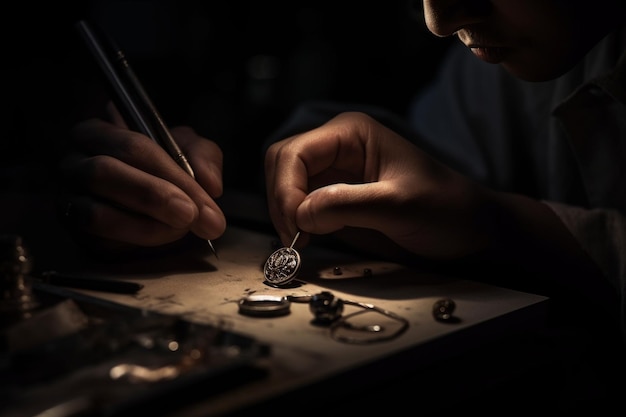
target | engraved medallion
[{"x": 283, "y": 265}]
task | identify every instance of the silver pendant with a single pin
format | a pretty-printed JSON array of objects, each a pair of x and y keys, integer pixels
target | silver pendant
[{"x": 283, "y": 265}]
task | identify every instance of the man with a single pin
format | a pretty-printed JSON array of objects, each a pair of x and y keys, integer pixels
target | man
[
  {"x": 518, "y": 159},
  {"x": 511, "y": 162},
  {"x": 532, "y": 177}
]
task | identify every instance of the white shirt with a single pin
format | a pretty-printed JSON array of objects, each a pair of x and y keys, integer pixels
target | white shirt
[{"x": 561, "y": 141}]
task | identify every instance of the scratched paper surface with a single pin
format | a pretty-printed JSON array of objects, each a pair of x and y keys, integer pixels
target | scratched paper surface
[{"x": 207, "y": 289}]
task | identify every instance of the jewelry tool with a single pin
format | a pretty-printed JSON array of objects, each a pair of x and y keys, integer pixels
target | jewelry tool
[
  {"x": 131, "y": 99},
  {"x": 95, "y": 284}
]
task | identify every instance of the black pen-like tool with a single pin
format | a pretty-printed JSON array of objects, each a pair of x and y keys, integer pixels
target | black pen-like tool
[
  {"x": 95, "y": 284},
  {"x": 130, "y": 97}
]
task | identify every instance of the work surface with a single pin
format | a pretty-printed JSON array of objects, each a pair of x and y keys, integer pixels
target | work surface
[{"x": 204, "y": 289}]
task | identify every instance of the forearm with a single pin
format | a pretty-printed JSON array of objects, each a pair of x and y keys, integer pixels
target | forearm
[{"x": 531, "y": 238}]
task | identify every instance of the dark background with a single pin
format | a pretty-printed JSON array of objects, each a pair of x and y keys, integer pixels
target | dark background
[{"x": 232, "y": 70}]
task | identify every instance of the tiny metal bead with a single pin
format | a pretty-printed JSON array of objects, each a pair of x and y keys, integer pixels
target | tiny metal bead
[
  {"x": 337, "y": 270},
  {"x": 325, "y": 307},
  {"x": 443, "y": 309}
]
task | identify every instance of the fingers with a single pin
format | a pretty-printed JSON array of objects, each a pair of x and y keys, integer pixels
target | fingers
[
  {"x": 96, "y": 137},
  {"x": 123, "y": 204},
  {"x": 336, "y": 206},
  {"x": 284, "y": 193},
  {"x": 438, "y": 216},
  {"x": 206, "y": 158},
  {"x": 134, "y": 190},
  {"x": 332, "y": 153},
  {"x": 354, "y": 172},
  {"x": 108, "y": 222},
  {"x": 131, "y": 173}
]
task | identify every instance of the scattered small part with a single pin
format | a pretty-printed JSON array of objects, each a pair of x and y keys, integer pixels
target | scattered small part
[
  {"x": 443, "y": 310},
  {"x": 326, "y": 307},
  {"x": 260, "y": 305}
]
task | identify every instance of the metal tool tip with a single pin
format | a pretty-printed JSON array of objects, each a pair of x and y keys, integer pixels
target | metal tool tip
[{"x": 212, "y": 249}]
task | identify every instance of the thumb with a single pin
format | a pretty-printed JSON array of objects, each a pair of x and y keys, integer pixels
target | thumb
[{"x": 336, "y": 206}]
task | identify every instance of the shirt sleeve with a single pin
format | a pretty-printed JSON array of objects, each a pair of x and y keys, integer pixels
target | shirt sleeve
[
  {"x": 503, "y": 133},
  {"x": 602, "y": 234}
]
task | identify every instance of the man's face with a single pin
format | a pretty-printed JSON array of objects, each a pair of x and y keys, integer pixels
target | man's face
[{"x": 535, "y": 40}]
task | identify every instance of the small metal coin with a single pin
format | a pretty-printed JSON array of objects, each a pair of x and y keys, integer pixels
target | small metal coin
[{"x": 282, "y": 266}]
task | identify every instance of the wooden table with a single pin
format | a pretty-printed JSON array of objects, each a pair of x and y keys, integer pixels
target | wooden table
[{"x": 305, "y": 363}]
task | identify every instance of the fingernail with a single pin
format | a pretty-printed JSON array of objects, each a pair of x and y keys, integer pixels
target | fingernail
[
  {"x": 210, "y": 223},
  {"x": 183, "y": 212}
]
